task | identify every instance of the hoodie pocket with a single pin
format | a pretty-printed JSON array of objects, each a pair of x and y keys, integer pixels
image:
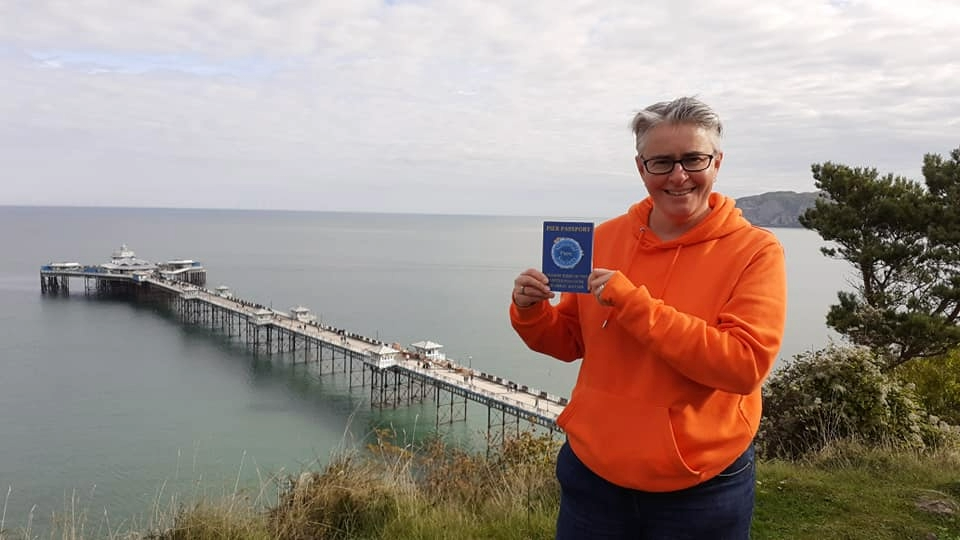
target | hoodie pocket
[{"x": 626, "y": 440}]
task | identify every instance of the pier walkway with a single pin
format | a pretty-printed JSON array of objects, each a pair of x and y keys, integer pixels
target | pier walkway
[{"x": 396, "y": 375}]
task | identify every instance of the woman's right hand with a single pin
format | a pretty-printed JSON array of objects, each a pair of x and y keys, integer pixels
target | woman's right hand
[{"x": 531, "y": 287}]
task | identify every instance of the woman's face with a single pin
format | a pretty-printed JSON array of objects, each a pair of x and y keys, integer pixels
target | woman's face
[{"x": 679, "y": 196}]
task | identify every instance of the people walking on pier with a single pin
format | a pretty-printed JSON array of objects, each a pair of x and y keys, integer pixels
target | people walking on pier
[{"x": 682, "y": 324}]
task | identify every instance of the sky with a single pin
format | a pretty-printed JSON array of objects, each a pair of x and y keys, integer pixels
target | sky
[{"x": 454, "y": 107}]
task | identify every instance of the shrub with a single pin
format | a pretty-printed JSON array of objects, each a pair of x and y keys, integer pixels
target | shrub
[
  {"x": 349, "y": 499},
  {"x": 840, "y": 393},
  {"x": 213, "y": 521},
  {"x": 518, "y": 474},
  {"x": 937, "y": 384}
]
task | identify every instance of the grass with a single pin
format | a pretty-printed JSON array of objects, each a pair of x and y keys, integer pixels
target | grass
[
  {"x": 435, "y": 491},
  {"x": 851, "y": 492}
]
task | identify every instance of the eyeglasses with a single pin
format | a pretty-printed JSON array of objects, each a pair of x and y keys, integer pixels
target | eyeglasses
[{"x": 690, "y": 163}]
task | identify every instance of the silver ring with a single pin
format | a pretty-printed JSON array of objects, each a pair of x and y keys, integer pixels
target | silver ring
[
  {"x": 523, "y": 289},
  {"x": 600, "y": 289}
]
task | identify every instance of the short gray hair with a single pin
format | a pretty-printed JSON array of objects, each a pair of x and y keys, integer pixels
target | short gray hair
[{"x": 683, "y": 110}]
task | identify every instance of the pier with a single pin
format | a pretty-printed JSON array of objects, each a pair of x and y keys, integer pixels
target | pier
[{"x": 392, "y": 375}]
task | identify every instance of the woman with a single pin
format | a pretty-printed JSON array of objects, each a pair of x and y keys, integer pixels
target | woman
[{"x": 683, "y": 322}]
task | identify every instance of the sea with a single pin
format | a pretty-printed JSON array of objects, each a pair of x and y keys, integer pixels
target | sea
[{"x": 112, "y": 415}]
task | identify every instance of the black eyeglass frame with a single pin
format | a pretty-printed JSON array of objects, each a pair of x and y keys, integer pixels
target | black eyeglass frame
[{"x": 673, "y": 164}]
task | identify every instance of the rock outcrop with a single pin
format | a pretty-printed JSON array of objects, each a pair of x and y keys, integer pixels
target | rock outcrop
[{"x": 776, "y": 208}]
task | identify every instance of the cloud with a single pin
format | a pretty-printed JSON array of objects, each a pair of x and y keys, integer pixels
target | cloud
[{"x": 468, "y": 106}]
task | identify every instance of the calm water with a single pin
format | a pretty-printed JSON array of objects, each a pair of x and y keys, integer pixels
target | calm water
[{"x": 126, "y": 409}]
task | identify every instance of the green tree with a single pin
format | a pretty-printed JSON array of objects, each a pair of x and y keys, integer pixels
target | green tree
[
  {"x": 903, "y": 239},
  {"x": 943, "y": 183}
]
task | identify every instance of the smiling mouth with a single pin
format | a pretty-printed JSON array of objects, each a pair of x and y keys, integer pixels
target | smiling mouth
[{"x": 679, "y": 193}]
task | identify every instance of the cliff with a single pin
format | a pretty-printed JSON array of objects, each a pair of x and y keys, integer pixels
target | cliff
[{"x": 776, "y": 208}]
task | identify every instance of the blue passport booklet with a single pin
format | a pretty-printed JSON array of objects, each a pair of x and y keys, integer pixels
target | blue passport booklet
[{"x": 567, "y": 254}]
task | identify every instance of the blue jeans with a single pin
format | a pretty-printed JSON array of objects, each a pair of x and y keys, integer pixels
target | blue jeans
[{"x": 590, "y": 507}]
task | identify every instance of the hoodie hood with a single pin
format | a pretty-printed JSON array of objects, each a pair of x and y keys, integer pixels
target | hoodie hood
[{"x": 724, "y": 218}]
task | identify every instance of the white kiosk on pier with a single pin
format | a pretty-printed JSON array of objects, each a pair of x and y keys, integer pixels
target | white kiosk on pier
[
  {"x": 383, "y": 356},
  {"x": 429, "y": 350}
]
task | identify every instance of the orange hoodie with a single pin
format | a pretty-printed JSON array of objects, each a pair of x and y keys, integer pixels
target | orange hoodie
[{"x": 668, "y": 393}]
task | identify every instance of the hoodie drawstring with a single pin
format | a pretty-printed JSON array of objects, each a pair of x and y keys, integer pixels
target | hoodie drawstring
[
  {"x": 633, "y": 258},
  {"x": 673, "y": 263}
]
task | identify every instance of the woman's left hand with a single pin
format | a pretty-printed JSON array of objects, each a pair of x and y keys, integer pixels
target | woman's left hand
[{"x": 596, "y": 281}]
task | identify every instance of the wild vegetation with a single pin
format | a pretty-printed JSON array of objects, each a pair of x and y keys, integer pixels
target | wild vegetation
[
  {"x": 844, "y": 490},
  {"x": 936, "y": 382},
  {"x": 841, "y": 394}
]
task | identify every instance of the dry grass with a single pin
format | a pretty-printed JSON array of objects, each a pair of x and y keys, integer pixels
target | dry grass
[{"x": 398, "y": 491}]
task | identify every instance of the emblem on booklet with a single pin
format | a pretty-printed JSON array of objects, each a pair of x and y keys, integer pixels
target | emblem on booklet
[{"x": 566, "y": 252}]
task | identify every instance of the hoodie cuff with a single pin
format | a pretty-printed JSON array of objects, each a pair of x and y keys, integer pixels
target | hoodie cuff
[
  {"x": 616, "y": 288},
  {"x": 527, "y": 314}
]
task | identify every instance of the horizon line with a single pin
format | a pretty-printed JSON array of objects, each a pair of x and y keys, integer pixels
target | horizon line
[{"x": 304, "y": 211}]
